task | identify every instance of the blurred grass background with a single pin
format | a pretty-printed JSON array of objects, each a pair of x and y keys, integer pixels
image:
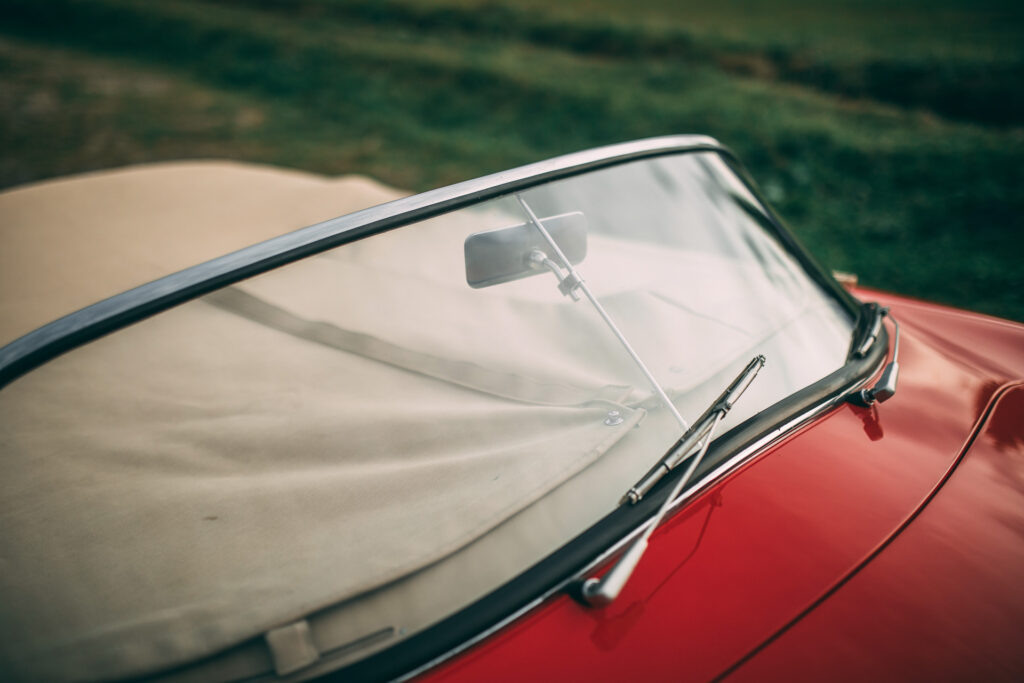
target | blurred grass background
[{"x": 890, "y": 135}]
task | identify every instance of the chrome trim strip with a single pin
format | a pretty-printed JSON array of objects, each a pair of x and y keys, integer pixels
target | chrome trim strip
[
  {"x": 82, "y": 326},
  {"x": 741, "y": 456}
]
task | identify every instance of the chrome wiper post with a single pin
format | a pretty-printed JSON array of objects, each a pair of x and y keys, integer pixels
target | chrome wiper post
[
  {"x": 597, "y": 592},
  {"x": 885, "y": 388},
  {"x": 869, "y": 332}
]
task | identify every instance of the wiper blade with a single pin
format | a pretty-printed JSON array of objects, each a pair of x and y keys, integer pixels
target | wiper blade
[
  {"x": 688, "y": 441},
  {"x": 602, "y": 591}
]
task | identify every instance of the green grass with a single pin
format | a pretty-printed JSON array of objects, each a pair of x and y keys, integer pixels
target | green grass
[{"x": 892, "y": 140}]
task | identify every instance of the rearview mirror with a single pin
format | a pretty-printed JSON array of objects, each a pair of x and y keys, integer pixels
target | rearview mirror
[{"x": 503, "y": 255}]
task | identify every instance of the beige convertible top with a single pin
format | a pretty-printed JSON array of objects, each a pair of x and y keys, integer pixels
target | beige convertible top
[
  {"x": 72, "y": 242},
  {"x": 231, "y": 466}
]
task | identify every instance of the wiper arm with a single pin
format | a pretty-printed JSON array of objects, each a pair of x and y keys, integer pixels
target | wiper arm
[
  {"x": 597, "y": 592},
  {"x": 686, "y": 443}
]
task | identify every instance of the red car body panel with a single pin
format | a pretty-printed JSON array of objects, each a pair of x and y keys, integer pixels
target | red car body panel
[
  {"x": 943, "y": 600},
  {"x": 780, "y": 538}
]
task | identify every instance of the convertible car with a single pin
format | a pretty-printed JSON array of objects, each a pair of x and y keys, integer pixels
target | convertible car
[{"x": 596, "y": 418}]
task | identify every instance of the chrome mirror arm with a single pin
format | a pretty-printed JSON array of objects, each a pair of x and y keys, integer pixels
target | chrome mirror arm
[{"x": 572, "y": 281}]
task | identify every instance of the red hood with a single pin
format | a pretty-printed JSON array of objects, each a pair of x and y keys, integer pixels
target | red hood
[
  {"x": 772, "y": 542},
  {"x": 942, "y": 598}
]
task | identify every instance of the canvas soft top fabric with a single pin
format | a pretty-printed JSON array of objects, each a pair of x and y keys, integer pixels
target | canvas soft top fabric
[
  {"x": 207, "y": 475},
  {"x": 71, "y": 242}
]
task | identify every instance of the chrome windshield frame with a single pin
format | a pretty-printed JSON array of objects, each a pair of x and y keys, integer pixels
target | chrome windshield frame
[{"x": 94, "y": 321}]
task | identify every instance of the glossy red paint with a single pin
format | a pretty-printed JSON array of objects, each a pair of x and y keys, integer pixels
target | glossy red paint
[
  {"x": 757, "y": 550},
  {"x": 943, "y": 601}
]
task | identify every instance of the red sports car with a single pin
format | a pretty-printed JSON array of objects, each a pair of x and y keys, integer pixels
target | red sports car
[{"x": 596, "y": 418}]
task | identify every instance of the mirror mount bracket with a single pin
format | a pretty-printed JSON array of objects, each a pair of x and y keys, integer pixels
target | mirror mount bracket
[{"x": 567, "y": 284}]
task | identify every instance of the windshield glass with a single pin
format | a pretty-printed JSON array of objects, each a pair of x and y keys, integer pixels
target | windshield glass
[{"x": 384, "y": 432}]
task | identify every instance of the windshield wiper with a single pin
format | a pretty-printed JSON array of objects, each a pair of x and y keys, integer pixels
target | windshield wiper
[
  {"x": 602, "y": 591},
  {"x": 686, "y": 443}
]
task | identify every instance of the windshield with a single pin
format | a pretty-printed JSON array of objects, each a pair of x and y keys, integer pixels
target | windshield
[{"x": 375, "y": 436}]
